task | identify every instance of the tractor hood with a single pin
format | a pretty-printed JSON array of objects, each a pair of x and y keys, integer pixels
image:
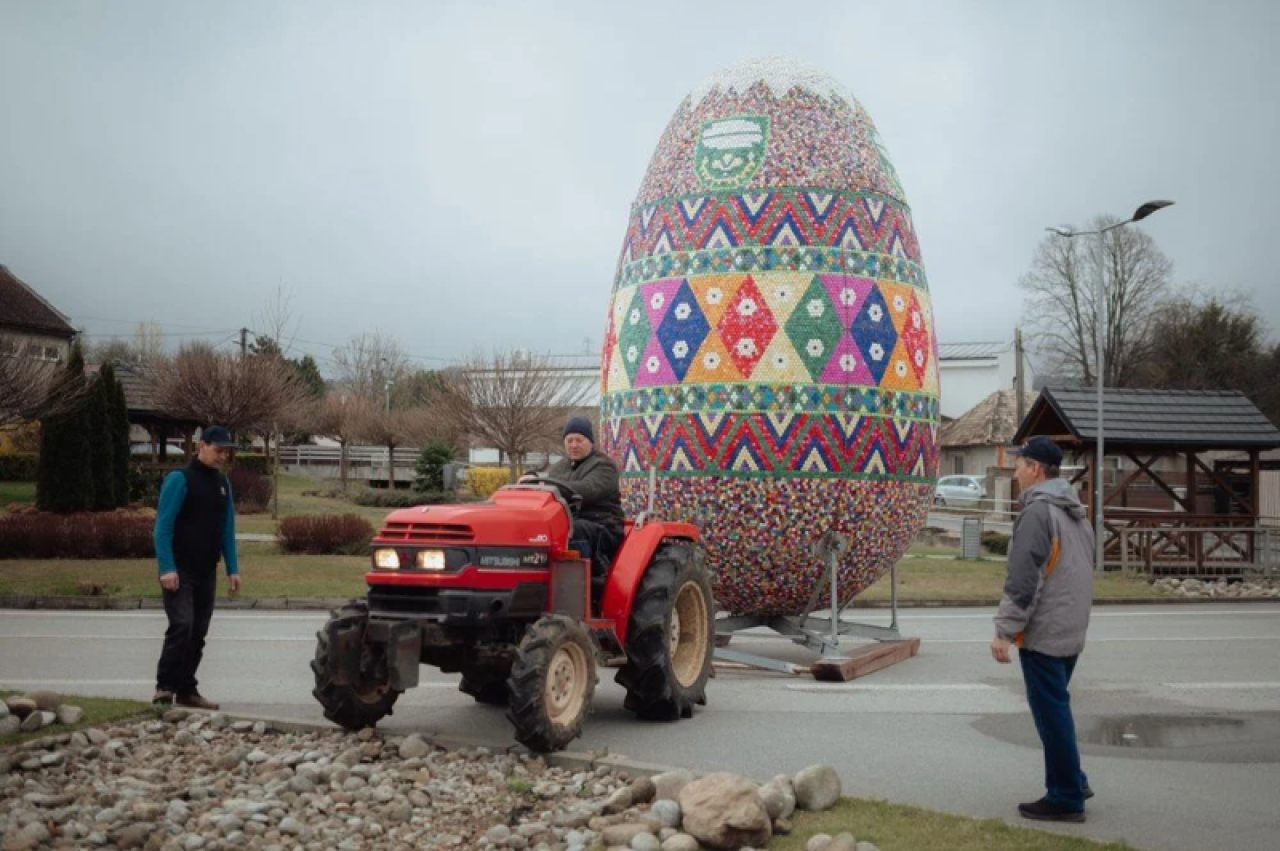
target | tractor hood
[{"x": 516, "y": 517}]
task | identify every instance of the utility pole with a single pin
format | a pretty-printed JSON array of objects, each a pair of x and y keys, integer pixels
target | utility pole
[
  {"x": 244, "y": 341},
  {"x": 1019, "y": 378}
]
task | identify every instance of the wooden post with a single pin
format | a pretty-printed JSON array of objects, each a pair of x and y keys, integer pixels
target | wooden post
[
  {"x": 1193, "y": 539},
  {"x": 1255, "y": 500}
]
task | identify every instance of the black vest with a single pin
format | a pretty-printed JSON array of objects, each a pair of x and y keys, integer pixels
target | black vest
[{"x": 197, "y": 533}]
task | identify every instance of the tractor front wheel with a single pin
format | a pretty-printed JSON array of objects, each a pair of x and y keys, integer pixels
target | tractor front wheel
[
  {"x": 553, "y": 680},
  {"x": 366, "y": 700},
  {"x": 670, "y": 638}
]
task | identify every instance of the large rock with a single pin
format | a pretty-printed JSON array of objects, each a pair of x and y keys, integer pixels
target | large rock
[
  {"x": 642, "y": 790},
  {"x": 668, "y": 784},
  {"x": 680, "y": 842},
  {"x": 68, "y": 714},
  {"x": 817, "y": 788},
  {"x": 724, "y": 811},
  {"x": 49, "y": 701},
  {"x": 33, "y": 722},
  {"x": 21, "y": 706},
  {"x": 4, "y": 709},
  {"x": 9, "y": 725},
  {"x": 414, "y": 747}
]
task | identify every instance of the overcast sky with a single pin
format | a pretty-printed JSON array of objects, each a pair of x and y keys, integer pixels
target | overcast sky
[{"x": 460, "y": 174}]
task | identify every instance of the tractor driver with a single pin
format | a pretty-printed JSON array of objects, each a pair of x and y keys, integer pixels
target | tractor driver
[{"x": 592, "y": 475}]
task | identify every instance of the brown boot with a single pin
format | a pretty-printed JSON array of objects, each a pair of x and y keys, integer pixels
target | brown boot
[
  {"x": 162, "y": 697},
  {"x": 196, "y": 701}
]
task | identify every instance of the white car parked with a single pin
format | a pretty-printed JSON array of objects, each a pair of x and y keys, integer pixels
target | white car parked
[{"x": 959, "y": 491}]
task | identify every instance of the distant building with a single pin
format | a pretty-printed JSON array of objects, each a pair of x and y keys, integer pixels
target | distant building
[
  {"x": 971, "y": 372},
  {"x": 982, "y": 437},
  {"x": 29, "y": 325}
]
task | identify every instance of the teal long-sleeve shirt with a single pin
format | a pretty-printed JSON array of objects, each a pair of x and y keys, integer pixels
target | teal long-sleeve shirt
[{"x": 172, "y": 495}]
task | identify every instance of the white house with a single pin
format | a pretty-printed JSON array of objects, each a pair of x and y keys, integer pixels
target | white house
[{"x": 970, "y": 372}]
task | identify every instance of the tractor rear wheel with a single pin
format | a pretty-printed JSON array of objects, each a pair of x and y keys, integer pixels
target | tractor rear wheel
[
  {"x": 553, "y": 680},
  {"x": 486, "y": 685},
  {"x": 359, "y": 704},
  {"x": 670, "y": 637}
]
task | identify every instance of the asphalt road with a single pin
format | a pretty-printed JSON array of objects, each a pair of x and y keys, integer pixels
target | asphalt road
[
  {"x": 953, "y": 521},
  {"x": 1182, "y": 704}
]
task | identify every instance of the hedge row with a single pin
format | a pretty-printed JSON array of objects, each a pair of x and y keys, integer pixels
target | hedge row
[
  {"x": 325, "y": 534},
  {"x": 19, "y": 467},
  {"x": 79, "y": 536},
  {"x": 400, "y": 499}
]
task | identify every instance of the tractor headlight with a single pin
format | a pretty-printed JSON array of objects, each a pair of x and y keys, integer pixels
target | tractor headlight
[
  {"x": 431, "y": 559},
  {"x": 387, "y": 559}
]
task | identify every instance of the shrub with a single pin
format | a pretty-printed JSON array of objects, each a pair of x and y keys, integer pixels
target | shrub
[
  {"x": 325, "y": 534},
  {"x": 19, "y": 467},
  {"x": 80, "y": 536},
  {"x": 400, "y": 499},
  {"x": 996, "y": 543},
  {"x": 430, "y": 467},
  {"x": 253, "y": 462},
  {"x": 145, "y": 479},
  {"x": 485, "y": 480},
  {"x": 251, "y": 491}
]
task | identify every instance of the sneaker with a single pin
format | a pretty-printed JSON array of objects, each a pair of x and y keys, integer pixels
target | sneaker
[
  {"x": 196, "y": 701},
  {"x": 162, "y": 697},
  {"x": 1045, "y": 810}
]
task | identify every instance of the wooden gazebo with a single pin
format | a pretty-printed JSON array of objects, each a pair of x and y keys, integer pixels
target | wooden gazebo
[
  {"x": 1175, "y": 510},
  {"x": 139, "y": 397}
]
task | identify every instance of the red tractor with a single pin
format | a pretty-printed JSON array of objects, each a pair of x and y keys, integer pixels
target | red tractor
[{"x": 493, "y": 591}]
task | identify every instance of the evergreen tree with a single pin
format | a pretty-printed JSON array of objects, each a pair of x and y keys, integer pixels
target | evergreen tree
[
  {"x": 118, "y": 414},
  {"x": 430, "y": 467},
  {"x": 64, "y": 479},
  {"x": 101, "y": 459}
]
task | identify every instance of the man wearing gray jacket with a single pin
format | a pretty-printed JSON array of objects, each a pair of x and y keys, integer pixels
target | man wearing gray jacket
[{"x": 1045, "y": 612}]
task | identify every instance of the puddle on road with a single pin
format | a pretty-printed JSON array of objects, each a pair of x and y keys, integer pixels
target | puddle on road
[
  {"x": 1222, "y": 738},
  {"x": 1174, "y": 731}
]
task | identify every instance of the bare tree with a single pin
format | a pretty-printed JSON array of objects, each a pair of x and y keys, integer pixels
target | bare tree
[
  {"x": 1062, "y": 312},
  {"x": 277, "y": 321},
  {"x": 368, "y": 362},
  {"x": 204, "y": 384},
  {"x": 515, "y": 402},
  {"x": 31, "y": 388},
  {"x": 399, "y": 427},
  {"x": 340, "y": 416},
  {"x": 149, "y": 342},
  {"x": 113, "y": 351}
]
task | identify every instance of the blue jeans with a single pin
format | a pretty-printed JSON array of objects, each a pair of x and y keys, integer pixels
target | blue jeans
[{"x": 1047, "y": 678}]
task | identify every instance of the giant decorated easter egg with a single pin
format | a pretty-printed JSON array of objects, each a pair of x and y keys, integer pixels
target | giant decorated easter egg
[{"x": 770, "y": 349}]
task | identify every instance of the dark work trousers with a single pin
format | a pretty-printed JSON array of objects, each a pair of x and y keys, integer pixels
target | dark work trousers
[
  {"x": 189, "y": 609},
  {"x": 1047, "y": 679},
  {"x": 601, "y": 543}
]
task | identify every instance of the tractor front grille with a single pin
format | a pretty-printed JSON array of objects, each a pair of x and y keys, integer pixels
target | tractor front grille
[{"x": 427, "y": 533}]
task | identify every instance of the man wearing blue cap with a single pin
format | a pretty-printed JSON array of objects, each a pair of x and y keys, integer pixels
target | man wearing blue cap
[
  {"x": 1048, "y": 592},
  {"x": 593, "y": 476},
  {"x": 195, "y": 527}
]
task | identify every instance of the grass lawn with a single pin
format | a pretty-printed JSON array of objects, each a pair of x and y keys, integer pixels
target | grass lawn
[
  {"x": 97, "y": 710},
  {"x": 266, "y": 573},
  {"x": 16, "y": 492},
  {"x": 952, "y": 579},
  {"x": 893, "y": 827},
  {"x": 293, "y": 503}
]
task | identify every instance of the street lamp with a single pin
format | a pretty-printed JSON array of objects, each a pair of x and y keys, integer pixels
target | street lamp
[{"x": 1100, "y": 320}]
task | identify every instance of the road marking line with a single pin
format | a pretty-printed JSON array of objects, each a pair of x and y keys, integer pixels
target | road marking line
[
  {"x": 815, "y": 687},
  {"x": 1225, "y": 686},
  {"x": 214, "y": 639},
  {"x": 66, "y": 683}
]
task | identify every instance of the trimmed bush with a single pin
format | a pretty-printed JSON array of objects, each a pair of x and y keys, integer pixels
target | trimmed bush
[
  {"x": 400, "y": 499},
  {"x": 253, "y": 462},
  {"x": 996, "y": 543},
  {"x": 325, "y": 534},
  {"x": 483, "y": 481},
  {"x": 79, "y": 536},
  {"x": 251, "y": 491},
  {"x": 145, "y": 480},
  {"x": 19, "y": 467}
]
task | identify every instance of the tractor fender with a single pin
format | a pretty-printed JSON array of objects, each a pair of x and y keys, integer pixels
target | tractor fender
[{"x": 629, "y": 565}]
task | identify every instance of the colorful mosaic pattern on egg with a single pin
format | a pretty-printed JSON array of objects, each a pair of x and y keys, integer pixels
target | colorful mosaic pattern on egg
[{"x": 770, "y": 349}]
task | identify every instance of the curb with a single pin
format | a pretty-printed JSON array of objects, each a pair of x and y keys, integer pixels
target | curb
[{"x": 82, "y": 603}]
